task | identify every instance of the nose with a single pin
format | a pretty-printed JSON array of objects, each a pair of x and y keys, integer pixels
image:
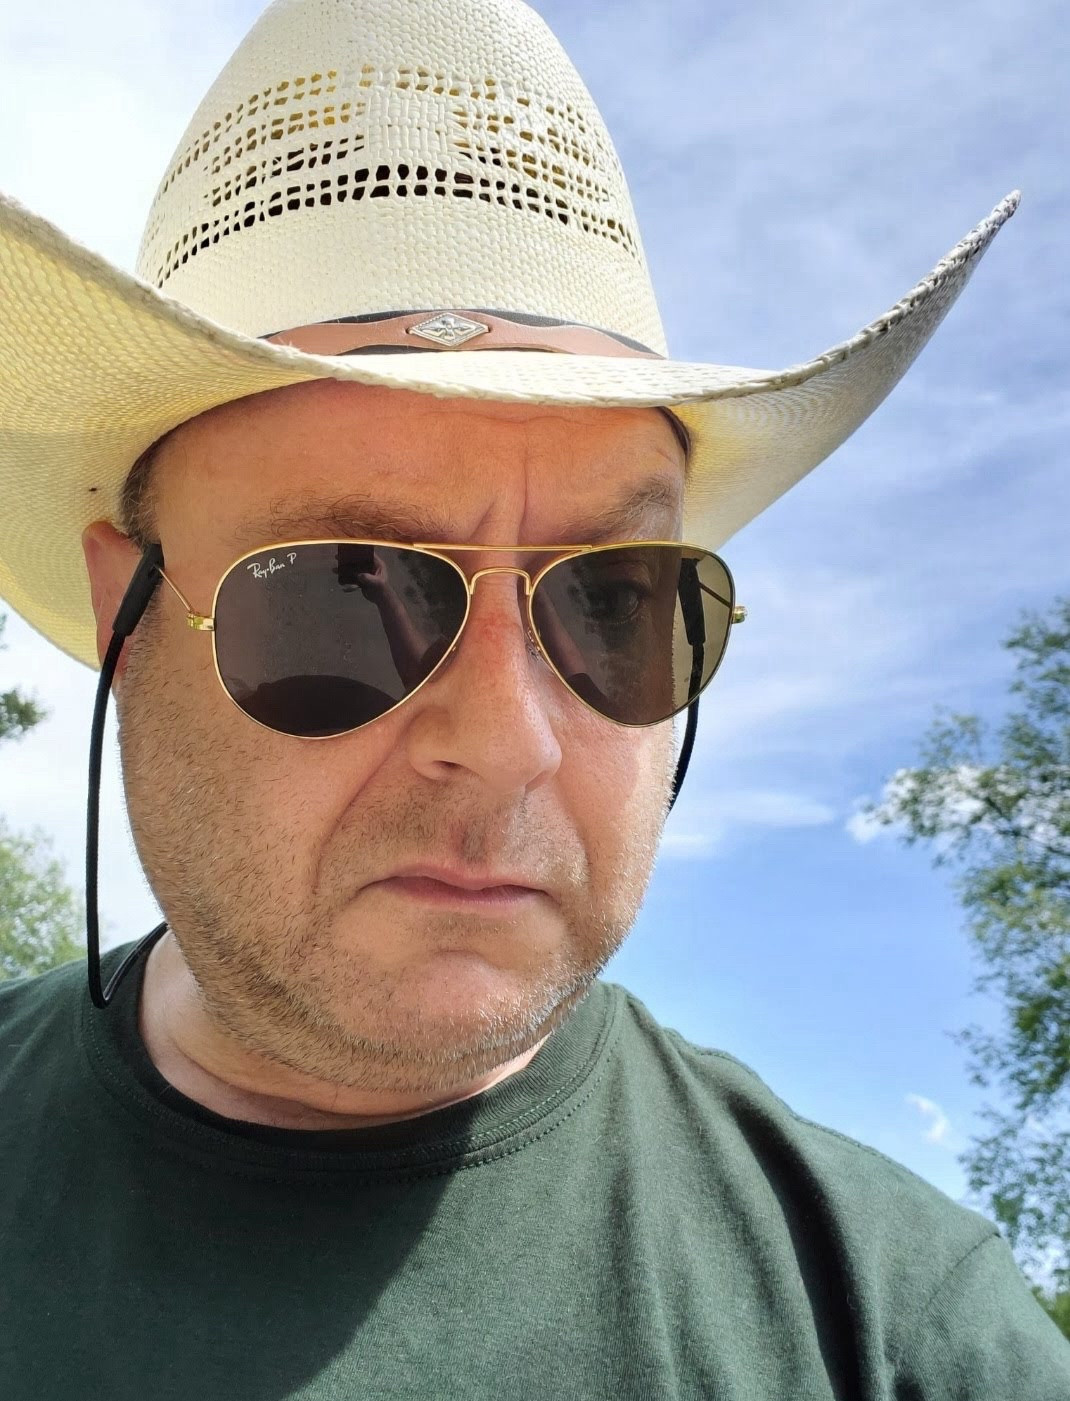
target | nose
[{"x": 490, "y": 712}]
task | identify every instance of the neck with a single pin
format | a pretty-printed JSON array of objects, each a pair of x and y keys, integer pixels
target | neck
[{"x": 207, "y": 1066}]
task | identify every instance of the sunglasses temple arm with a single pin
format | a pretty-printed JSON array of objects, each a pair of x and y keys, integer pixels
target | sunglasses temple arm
[{"x": 146, "y": 577}]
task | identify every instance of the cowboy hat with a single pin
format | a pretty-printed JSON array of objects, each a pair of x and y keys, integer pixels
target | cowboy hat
[{"x": 364, "y": 180}]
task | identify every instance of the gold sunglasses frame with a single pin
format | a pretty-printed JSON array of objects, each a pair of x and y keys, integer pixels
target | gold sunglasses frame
[{"x": 201, "y": 622}]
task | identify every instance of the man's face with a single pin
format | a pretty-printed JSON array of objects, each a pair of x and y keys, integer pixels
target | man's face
[{"x": 297, "y": 875}]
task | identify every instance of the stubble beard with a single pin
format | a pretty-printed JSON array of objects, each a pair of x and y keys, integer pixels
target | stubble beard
[{"x": 259, "y": 934}]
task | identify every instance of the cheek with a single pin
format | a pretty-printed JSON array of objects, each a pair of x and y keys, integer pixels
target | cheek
[
  {"x": 286, "y": 798},
  {"x": 201, "y": 776},
  {"x": 616, "y": 783}
]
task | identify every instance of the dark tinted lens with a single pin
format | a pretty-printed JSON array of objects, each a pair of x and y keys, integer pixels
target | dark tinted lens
[
  {"x": 318, "y": 639},
  {"x": 636, "y": 631}
]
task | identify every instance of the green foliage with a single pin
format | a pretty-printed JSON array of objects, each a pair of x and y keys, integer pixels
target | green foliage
[
  {"x": 1057, "y": 1306},
  {"x": 41, "y": 919},
  {"x": 17, "y": 714},
  {"x": 1001, "y": 813}
]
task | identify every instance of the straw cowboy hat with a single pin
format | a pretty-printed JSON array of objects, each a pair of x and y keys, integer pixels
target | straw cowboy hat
[{"x": 367, "y": 178}]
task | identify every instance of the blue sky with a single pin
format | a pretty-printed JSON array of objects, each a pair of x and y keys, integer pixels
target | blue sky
[{"x": 795, "y": 170}]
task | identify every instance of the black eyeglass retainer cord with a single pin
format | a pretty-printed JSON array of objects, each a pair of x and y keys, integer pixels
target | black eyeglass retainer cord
[
  {"x": 136, "y": 599},
  {"x": 695, "y": 631}
]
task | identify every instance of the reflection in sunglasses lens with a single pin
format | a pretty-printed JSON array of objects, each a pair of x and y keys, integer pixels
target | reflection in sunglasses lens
[
  {"x": 315, "y": 640},
  {"x": 636, "y": 631}
]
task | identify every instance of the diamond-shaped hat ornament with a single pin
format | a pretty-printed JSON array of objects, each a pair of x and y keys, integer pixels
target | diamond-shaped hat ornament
[{"x": 449, "y": 329}]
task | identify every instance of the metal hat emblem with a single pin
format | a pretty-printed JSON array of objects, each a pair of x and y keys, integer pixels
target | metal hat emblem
[{"x": 449, "y": 329}]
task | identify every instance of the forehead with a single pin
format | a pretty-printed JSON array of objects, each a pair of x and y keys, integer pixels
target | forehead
[{"x": 276, "y": 464}]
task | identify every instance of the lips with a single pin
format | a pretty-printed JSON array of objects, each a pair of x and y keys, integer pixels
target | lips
[
  {"x": 473, "y": 881},
  {"x": 474, "y": 892}
]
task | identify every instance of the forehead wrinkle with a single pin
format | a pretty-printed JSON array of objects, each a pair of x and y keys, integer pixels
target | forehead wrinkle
[{"x": 358, "y": 515}]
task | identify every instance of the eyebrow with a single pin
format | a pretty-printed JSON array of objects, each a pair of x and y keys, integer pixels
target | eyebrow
[{"x": 358, "y": 516}]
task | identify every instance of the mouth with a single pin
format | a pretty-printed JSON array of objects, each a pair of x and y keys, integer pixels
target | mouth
[{"x": 459, "y": 889}]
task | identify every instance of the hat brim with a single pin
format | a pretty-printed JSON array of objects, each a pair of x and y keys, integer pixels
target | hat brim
[{"x": 97, "y": 365}]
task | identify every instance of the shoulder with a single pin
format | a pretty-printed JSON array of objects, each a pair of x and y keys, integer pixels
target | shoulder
[
  {"x": 32, "y": 1008},
  {"x": 818, "y": 1175},
  {"x": 42, "y": 989},
  {"x": 931, "y": 1287}
]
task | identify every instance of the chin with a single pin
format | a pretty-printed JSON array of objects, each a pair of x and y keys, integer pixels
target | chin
[{"x": 426, "y": 987}]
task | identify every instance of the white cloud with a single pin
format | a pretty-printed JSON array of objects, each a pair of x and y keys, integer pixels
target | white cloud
[
  {"x": 702, "y": 823},
  {"x": 766, "y": 808},
  {"x": 939, "y": 1126},
  {"x": 689, "y": 846},
  {"x": 864, "y": 828}
]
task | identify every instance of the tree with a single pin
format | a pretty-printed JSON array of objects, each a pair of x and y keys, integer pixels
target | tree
[
  {"x": 41, "y": 918},
  {"x": 17, "y": 714},
  {"x": 1001, "y": 813}
]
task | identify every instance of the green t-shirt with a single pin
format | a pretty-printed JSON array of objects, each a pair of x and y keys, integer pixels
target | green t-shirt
[{"x": 630, "y": 1216}]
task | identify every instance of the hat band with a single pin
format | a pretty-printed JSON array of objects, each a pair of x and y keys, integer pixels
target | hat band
[{"x": 452, "y": 330}]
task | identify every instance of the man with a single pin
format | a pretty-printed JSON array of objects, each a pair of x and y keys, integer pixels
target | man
[{"x": 382, "y": 470}]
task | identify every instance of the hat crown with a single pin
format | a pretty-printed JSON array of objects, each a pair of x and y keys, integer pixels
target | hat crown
[{"x": 371, "y": 156}]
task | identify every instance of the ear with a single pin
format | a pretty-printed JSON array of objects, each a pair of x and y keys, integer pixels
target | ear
[{"x": 110, "y": 561}]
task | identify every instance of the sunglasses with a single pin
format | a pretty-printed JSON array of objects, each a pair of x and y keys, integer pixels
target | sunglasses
[{"x": 316, "y": 638}]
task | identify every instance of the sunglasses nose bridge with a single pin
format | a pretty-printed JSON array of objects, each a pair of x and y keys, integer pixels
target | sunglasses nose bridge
[
  {"x": 500, "y": 569},
  {"x": 521, "y": 574}
]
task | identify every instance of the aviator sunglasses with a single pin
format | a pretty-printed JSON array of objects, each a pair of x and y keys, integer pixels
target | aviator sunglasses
[{"x": 317, "y": 638}]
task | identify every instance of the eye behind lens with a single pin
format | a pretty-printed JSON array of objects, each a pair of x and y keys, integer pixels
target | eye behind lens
[{"x": 636, "y": 631}]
